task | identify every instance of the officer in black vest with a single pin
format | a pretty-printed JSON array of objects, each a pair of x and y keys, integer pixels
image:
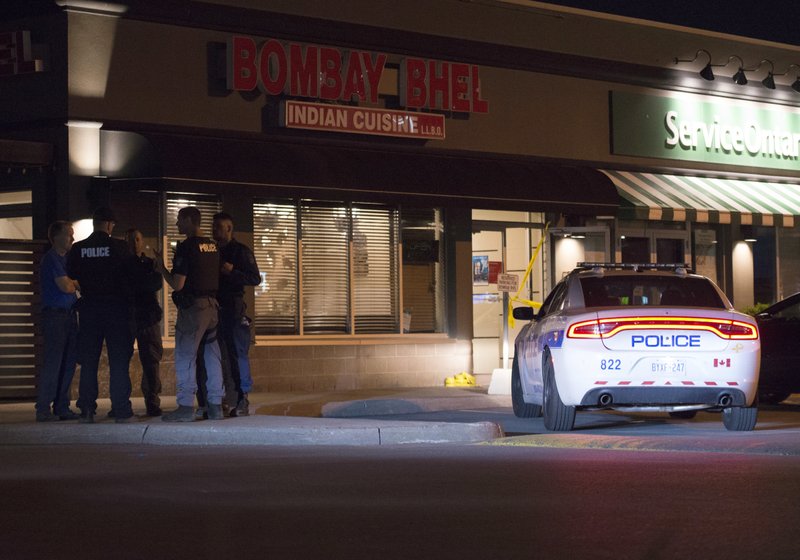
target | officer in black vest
[
  {"x": 194, "y": 278},
  {"x": 102, "y": 267}
]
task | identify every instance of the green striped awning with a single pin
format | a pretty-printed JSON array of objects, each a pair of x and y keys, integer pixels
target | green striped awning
[{"x": 651, "y": 196}]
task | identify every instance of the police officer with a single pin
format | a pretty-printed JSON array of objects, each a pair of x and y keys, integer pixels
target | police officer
[
  {"x": 238, "y": 269},
  {"x": 102, "y": 267},
  {"x": 147, "y": 283},
  {"x": 194, "y": 279}
]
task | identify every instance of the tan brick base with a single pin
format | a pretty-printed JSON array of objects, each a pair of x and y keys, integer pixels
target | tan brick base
[{"x": 328, "y": 367}]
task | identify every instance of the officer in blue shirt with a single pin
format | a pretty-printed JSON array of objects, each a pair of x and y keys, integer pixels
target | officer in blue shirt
[
  {"x": 104, "y": 266},
  {"x": 59, "y": 326}
]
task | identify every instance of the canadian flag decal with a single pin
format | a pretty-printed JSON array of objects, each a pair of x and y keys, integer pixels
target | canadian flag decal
[{"x": 724, "y": 362}]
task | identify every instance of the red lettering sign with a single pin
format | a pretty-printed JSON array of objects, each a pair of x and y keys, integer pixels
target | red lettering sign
[
  {"x": 242, "y": 72},
  {"x": 332, "y": 74},
  {"x": 304, "y": 71},
  {"x": 362, "y": 120},
  {"x": 15, "y": 54},
  {"x": 447, "y": 86}
]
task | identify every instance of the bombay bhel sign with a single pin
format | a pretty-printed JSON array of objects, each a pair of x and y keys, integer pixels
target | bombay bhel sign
[{"x": 330, "y": 75}]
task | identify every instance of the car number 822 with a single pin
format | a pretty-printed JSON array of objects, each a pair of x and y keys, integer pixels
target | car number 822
[{"x": 610, "y": 364}]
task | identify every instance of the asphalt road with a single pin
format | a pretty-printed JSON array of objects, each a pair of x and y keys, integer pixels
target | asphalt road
[
  {"x": 438, "y": 502},
  {"x": 777, "y": 430}
]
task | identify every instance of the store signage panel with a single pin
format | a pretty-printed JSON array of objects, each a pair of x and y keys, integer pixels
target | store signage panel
[
  {"x": 336, "y": 82},
  {"x": 362, "y": 120},
  {"x": 692, "y": 129},
  {"x": 16, "y": 56},
  {"x": 332, "y": 74}
]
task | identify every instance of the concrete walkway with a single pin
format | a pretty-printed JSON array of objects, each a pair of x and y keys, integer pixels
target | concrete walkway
[{"x": 276, "y": 419}]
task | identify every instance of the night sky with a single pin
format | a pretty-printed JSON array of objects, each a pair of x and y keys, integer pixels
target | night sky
[{"x": 775, "y": 20}]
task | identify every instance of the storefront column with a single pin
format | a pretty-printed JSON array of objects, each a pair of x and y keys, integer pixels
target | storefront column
[{"x": 458, "y": 223}]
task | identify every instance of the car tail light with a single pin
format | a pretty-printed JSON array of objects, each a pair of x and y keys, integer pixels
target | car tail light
[{"x": 608, "y": 327}]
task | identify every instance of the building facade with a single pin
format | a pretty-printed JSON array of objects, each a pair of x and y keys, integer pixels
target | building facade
[{"x": 389, "y": 164}]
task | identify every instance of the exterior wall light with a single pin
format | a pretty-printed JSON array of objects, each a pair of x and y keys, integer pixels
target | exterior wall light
[
  {"x": 706, "y": 73},
  {"x": 739, "y": 78},
  {"x": 796, "y": 84},
  {"x": 769, "y": 81}
]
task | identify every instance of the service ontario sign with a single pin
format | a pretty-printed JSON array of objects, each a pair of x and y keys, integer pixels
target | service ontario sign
[
  {"x": 328, "y": 75},
  {"x": 693, "y": 129}
]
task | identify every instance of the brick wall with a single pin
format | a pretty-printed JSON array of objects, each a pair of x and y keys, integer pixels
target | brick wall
[{"x": 334, "y": 367}]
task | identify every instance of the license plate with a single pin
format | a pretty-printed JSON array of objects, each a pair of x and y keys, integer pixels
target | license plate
[{"x": 668, "y": 366}]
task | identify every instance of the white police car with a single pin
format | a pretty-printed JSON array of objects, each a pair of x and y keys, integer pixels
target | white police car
[{"x": 636, "y": 337}]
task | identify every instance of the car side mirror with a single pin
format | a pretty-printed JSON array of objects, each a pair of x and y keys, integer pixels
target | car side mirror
[
  {"x": 763, "y": 316},
  {"x": 524, "y": 313}
]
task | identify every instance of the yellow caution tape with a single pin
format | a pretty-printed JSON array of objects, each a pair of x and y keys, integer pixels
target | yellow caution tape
[{"x": 511, "y": 300}]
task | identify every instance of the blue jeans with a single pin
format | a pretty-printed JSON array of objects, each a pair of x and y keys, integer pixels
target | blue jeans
[
  {"x": 111, "y": 321},
  {"x": 60, "y": 333},
  {"x": 234, "y": 330},
  {"x": 196, "y": 325}
]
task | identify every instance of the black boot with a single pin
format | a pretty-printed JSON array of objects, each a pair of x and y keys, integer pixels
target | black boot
[{"x": 180, "y": 414}]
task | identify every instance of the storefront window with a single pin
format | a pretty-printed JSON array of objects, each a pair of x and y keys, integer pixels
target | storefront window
[
  {"x": 275, "y": 249},
  {"x": 789, "y": 261},
  {"x": 334, "y": 268},
  {"x": 422, "y": 270},
  {"x": 15, "y": 215},
  {"x": 764, "y": 269}
]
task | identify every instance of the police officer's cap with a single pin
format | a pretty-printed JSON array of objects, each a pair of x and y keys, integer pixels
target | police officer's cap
[{"x": 104, "y": 214}]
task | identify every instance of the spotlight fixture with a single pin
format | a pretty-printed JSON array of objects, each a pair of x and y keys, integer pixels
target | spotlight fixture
[
  {"x": 739, "y": 78},
  {"x": 796, "y": 84},
  {"x": 769, "y": 81},
  {"x": 706, "y": 73}
]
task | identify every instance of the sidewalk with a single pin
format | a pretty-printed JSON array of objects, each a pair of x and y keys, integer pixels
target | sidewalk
[{"x": 276, "y": 419}]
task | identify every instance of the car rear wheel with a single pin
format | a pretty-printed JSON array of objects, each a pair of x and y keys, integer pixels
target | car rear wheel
[
  {"x": 558, "y": 417},
  {"x": 740, "y": 418},
  {"x": 684, "y": 414},
  {"x": 521, "y": 408}
]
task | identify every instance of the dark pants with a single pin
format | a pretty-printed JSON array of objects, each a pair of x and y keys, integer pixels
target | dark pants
[
  {"x": 151, "y": 350},
  {"x": 60, "y": 333},
  {"x": 109, "y": 321}
]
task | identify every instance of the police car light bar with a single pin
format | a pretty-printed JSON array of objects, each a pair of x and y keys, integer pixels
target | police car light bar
[{"x": 636, "y": 267}]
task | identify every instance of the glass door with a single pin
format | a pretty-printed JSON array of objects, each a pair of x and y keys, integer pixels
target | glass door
[
  {"x": 571, "y": 246},
  {"x": 653, "y": 246},
  {"x": 500, "y": 249}
]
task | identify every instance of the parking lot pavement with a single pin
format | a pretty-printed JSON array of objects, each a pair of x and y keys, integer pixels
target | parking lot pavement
[
  {"x": 777, "y": 431},
  {"x": 276, "y": 419},
  {"x": 426, "y": 415}
]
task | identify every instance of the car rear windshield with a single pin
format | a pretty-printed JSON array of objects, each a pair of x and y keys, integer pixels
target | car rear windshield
[{"x": 603, "y": 291}]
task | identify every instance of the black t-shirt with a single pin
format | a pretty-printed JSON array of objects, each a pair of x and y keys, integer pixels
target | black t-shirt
[
  {"x": 102, "y": 265},
  {"x": 197, "y": 258}
]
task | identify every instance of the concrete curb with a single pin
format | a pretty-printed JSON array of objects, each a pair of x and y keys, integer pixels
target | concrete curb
[
  {"x": 386, "y": 407},
  {"x": 252, "y": 430},
  {"x": 747, "y": 443}
]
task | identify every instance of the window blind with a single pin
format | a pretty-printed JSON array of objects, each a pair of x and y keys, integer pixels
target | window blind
[
  {"x": 325, "y": 267},
  {"x": 275, "y": 249}
]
